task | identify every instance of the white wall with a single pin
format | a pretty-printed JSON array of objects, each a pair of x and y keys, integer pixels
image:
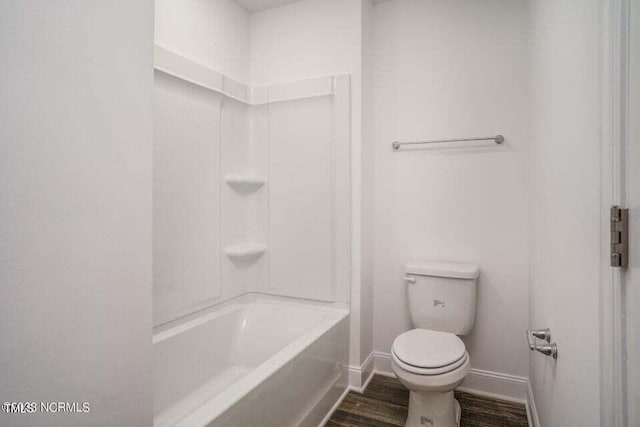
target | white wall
[
  {"x": 565, "y": 207},
  {"x": 314, "y": 38},
  {"x": 214, "y": 33},
  {"x": 75, "y": 210},
  {"x": 444, "y": 69},
  {"x": 306, "y": 39}
]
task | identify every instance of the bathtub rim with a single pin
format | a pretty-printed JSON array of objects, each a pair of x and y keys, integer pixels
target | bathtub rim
[{"x": 201, "y": 316}]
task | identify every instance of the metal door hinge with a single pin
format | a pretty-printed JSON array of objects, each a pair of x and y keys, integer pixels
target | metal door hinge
[{"x": 619, "y": 236}]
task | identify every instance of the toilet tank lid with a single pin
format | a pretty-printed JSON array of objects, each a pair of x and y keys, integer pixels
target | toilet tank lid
[{"x": 443, "y": 269}]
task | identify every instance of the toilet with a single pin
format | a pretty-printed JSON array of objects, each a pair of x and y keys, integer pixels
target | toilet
[{"x": 431, "y": 360}]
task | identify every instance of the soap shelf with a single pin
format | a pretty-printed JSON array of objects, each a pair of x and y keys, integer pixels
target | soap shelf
[
  {"x": 245, "y": 251},
  {"x": 245, "y": 183}
]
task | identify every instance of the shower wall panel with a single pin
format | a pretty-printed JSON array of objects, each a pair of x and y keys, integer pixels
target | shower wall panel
[
  {"x": 186, "y": 198},
  {"x": 251, "y": 188},
  {"x": 301, "y": 146},
  {"x": 309, "y": 210}
]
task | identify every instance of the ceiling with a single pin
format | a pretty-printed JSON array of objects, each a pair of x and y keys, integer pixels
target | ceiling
[{"x": 256, "y": 5}]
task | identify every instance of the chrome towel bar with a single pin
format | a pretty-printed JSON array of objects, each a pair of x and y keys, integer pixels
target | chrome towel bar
[{"x": 498, "y": 139}]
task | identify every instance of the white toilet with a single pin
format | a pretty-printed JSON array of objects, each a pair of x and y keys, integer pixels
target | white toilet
[{"x": 431, "y": 361}]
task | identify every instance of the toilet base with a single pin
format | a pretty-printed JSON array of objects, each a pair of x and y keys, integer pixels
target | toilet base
[{"x": 427, "y": 409}]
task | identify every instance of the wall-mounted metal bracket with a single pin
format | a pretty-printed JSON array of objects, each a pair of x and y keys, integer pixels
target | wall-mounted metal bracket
[
  {"x": 543, "y": 334},
  {"x": 549, "y": 349}
]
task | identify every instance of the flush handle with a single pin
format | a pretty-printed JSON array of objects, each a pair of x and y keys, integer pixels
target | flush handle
[{"x": 409, "y": 279}]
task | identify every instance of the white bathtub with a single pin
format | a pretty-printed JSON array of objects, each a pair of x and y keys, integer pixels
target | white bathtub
[{"x": 253, "y": 361}]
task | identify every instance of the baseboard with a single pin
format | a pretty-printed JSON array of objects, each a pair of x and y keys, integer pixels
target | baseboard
[
  {"x": 478, "y": 381},
  {"x": 359, "y": 376},
  {"x": 496, "y": 384},
  {"x": 382, "y": 364},
  {"x": 486, "y": 383},
  {"x": 532, "y": 412}
]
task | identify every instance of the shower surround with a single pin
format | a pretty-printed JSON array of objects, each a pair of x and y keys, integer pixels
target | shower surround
[{"x": 251, "y": 246}]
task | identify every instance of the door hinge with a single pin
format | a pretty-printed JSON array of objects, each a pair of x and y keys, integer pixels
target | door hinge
[{"x": 619, "y": 236}]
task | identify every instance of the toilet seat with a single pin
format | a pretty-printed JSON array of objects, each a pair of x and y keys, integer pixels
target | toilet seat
[
  {"x": 427, "y": 352},
  {"x": 429, "y": 371}
]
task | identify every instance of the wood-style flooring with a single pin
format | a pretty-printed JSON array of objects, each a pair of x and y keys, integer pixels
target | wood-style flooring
[{"x": 384, "y": 404}]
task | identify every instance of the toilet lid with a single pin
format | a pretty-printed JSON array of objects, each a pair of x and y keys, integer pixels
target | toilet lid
[{"x": 424, "y": 348}]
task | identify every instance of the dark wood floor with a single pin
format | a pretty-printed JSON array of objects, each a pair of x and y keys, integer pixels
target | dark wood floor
[{"x": 384, "y": 404}]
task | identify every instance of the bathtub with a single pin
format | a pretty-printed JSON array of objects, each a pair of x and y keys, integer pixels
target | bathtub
[{"x": 253, "y": 361}]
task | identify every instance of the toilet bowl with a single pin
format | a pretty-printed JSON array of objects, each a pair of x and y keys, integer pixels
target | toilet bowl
[
  {"x": 431, "y": 364},
  {"x": 431, "y": 360}
]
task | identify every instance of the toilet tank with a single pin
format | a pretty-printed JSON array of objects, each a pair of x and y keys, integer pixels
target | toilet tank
[{"x": 442, "y": 295}]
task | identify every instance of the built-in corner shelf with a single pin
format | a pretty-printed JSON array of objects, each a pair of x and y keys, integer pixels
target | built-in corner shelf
[
  {"x": 245, "y": 251},
  {"x": 245, "y": 183}
]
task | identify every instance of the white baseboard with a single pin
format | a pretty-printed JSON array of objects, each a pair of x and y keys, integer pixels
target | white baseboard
[
  {"x": 478, "y": 381},
  {"x": 496, "y": 384},
  {"x": 382, "y": 363},
  {"x": 359, "y": 376},
  {"x": 532, "y": 412},
  {"x": 487, "y": 383}
]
